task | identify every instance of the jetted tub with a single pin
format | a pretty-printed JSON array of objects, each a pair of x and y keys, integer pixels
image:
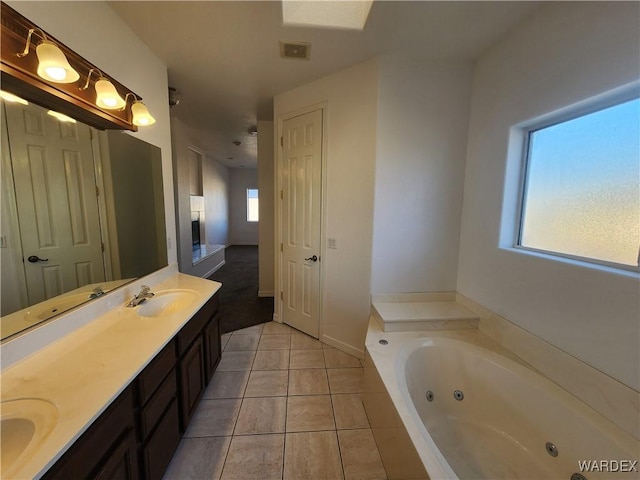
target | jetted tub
[{"x": 473, "y": 413}]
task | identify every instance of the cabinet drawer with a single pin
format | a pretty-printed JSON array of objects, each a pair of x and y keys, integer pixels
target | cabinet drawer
[
  {"x": 152, "y": 412},
  {"x": 194, "y": 327},
  {"x": 162, "y": 444},
  {"x": 154, "y": 373}
]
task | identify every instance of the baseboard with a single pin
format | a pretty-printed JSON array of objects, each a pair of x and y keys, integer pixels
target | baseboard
[
  {"x": 266, "y": 293},
  {"x": 276, "y": 319},
  {"x": 213, "y": 270},
  {"x": 344, "y": 347}
]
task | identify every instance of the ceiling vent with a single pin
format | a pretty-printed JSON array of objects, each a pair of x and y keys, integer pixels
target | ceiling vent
[{"x": 298, "y": 50}]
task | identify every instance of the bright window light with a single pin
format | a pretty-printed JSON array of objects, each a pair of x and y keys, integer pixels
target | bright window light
[
  {"x": 252, "y": 204},
  {"x": 581, "y": 194},
  {"x": 328, "y": 13}
]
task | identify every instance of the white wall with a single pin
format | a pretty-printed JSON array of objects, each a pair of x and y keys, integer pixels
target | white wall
[
  {"x": 564, "y": 53},
  {"x": 215, "y": 182},
  {"x": 266, "y": 273},
  {"x": 95, "y": 32},
  {"x": 423, "y": 112},
  {"x": 351, "y": 96},
  {"x": 241, "y": 232}
]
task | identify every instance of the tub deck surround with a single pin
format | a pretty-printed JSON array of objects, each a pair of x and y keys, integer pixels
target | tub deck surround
[
  {"x": 429, "y": 311},
  {"x": 485, "y": 370},
  {"x": 84, "y": 371}
]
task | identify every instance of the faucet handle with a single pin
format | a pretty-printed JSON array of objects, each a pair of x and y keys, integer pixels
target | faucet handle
[{"x": 145, "y": 289}]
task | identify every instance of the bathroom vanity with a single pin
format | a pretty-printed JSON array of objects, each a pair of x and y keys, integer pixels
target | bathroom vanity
[{"x": 122, "y": 388}]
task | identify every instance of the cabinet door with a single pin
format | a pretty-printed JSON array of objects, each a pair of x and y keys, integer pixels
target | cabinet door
[
  {"x": 162, "y": 444},
  {"x": 212, "y": 347},
  {"x": 122, "y": 464},
  {"x": 191, "y": 380}
]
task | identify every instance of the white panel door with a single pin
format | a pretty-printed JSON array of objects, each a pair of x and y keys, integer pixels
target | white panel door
[
  {"x": 301, "y": 167},
  {"x": 57, "y": 204}
]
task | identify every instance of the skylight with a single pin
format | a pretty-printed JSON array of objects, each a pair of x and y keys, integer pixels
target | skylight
[{"x": 326, "y": 13}]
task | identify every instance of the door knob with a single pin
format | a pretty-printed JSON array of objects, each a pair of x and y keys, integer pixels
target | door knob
[
  {"x": 312, "y": 259},
  {"x": 36, "y": 259}
]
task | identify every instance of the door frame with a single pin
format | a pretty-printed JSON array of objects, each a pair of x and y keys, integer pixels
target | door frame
[{"x": 278, "y": 309}]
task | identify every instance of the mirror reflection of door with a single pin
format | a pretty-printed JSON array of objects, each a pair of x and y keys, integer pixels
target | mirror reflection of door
[{"x": 55, "y": 189}]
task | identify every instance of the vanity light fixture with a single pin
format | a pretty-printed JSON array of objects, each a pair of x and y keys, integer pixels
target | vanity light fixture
[
  {"x": 107, "y": 96},
  {"x": 52, "y": 63},
  {"x": 61, "y": 117},
  {"x": 139, "y": 112},
  {"x": 10, "y": 97}
]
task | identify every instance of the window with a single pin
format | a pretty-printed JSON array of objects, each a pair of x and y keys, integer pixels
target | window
[
  {"x": 252, "y": 204},
  {"x": 581, "y": 195}
]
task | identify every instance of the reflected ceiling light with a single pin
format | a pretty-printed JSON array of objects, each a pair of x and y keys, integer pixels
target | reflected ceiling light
[
  {"x": 350, "y": 15},
  {"x": 107, "y": 96},
  {"x": 62, "y": 117},
  {"x": 52, "y": 62},
  {"x": 10, "y": 97}
]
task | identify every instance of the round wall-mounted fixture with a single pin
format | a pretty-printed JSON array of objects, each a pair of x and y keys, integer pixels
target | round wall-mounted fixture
[
  {"x": 174, "y": 97},
  {"x": 237, "y": 143},
  {"x": 253, "y": 131}
]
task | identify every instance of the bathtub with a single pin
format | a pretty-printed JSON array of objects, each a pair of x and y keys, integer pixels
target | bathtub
[{"x": 471, "y": 412}]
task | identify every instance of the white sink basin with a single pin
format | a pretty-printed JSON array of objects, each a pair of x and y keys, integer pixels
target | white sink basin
[
  {"x": 24, "y": 424},
  {"x": 166, "y": 302}
]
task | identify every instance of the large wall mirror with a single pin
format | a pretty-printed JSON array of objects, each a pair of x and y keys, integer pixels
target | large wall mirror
[{"x": 82, "y": 214}]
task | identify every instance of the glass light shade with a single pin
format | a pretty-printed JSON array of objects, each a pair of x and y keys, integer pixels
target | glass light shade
[
  {"x": 141, "y": 116},
  {"x": 107, "y": 96},
  {"x": 53, "y": 65}
]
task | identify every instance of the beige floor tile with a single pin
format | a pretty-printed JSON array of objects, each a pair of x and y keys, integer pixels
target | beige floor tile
[
  {"x": 253, "y": 330},
  {"x": 258, "y": 457},
  {"x": 300, "y": 341},
  {"x": 261, "y": 415},
  {"x": 336, "y": 359},
  {"x": 306, "y": 359},
  {"x": 224, "y": 339},
  {"x": 214, "y": 418},
  {"x": 346, "y": 380},
  {"x": 242, "y": 342},
  {"x": 349, "y": 411},
  {"x": 360, "y": 457},
  {"x": 275, "y": 342},
  {"x": 235, "y": 361},
  {"x": 267, "y": 383},
  {"x": 198, "y": 458},
  {"x": 271, "y": 360},
  {"x": 308, "y": 382},
  {"x": 227, "y": 385},
  {"x": 309, "y": 413},
  {"x": 275, "y": 328},
  {"x": 312, "y": 456}
]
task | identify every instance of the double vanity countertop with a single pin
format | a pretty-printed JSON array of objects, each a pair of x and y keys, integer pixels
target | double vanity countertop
[{"x": 84, "y": 371}]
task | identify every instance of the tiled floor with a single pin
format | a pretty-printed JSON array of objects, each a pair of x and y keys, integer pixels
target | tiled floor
[{"x": 281, "y": 405}]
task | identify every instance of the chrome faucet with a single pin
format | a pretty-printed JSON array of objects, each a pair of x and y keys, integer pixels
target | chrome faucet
[
  {"x": 145, "y": 292},
  {"x": 97, "y": 292}
]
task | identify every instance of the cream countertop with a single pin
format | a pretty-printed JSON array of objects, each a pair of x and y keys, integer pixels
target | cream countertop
[{"x": 84, "y": 371}]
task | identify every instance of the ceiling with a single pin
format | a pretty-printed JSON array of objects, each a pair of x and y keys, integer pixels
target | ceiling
[{"x": 223, "y": 57}]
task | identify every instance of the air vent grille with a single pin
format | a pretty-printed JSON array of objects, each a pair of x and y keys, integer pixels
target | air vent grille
[{"x": 297, "y": 50}]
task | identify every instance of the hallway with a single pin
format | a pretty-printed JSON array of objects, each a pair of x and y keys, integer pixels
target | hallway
[{"x": 240, "y": 306}]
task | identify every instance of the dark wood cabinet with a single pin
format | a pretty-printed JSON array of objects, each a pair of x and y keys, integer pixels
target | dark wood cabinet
[
  {"x": 212, "y": 347},
  {"x": 106, "y": 450},
  {"x": 191, "y": 380},
  {"x": 139, "y": 432}
]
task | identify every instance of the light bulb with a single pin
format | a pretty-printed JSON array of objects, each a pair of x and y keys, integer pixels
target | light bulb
[
  {"x": 107, "y": 96},
  {"x": 141, "y": 115},
  {"x": 53, "y": 65}
]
